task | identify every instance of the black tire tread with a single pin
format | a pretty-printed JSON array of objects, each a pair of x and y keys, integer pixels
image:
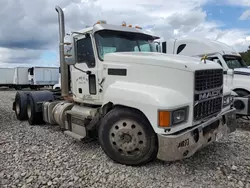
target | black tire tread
[
  {"x": 36, "y": 117},
  {"x": 123, "y": 112},
  {"x": 21, "y": 98}
]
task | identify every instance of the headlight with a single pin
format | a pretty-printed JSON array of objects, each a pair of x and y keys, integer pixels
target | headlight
[
  {"x": 179, "y": 116},
  {"x": 227, "y": 100},
  {"x": 170, "y": 118}
]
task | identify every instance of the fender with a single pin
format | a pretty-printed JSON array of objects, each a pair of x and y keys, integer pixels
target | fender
[
  {"x": 241, "y": 82},
  {"x": 146, "y": 98}
]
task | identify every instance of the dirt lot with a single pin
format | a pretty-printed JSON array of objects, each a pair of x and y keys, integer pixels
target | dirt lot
[{"x": 42, "y": 156}]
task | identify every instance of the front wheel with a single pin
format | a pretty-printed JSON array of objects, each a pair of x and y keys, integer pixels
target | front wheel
[{"x": 127, "y": 137}]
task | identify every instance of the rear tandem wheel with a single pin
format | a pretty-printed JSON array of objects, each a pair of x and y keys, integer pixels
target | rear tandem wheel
[{"x": 20, "y": 105}]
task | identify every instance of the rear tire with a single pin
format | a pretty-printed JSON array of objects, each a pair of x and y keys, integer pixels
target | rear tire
[
  {"x": 127, "y": 137},
  {"x": 34, "y": 118},
  {"x": 20, "y": 106}
]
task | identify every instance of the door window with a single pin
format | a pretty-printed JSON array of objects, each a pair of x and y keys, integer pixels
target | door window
[{"x": 85, "y": 52}]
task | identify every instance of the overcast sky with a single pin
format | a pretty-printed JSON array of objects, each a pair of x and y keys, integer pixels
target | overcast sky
[{"x": 29, "y": 28}]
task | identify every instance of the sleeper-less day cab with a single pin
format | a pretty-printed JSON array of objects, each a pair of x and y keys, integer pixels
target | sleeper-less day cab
[
  {"x": 140, "y": 104},
  {"x": 236, "y": 72}
]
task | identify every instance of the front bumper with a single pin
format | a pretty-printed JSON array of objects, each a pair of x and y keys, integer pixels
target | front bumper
[{"x": 185, "y": 144}]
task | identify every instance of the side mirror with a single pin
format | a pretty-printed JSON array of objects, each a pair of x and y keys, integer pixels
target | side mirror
[
  {"x": 69, "y": 61},
  {"x": 230, "y": 72},
  {"x": 157, "y": 46},
  {"x": 68, "y": 54}
]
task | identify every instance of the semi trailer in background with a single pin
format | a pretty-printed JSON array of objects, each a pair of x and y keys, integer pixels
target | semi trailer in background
[
  {"x": 6, "y": 77},
  {"x": 20, "y": 79},
  {"x": 29, "y": 77},
  {"x": 43, "y": 76},
  {"x": 57, "y": 86}
]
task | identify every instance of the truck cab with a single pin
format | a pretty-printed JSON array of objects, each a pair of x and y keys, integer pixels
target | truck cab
[
  {"x": 139, "y": 103},
  {"x": 95, "y": 49},
  {"x": 236, "y": 72}
]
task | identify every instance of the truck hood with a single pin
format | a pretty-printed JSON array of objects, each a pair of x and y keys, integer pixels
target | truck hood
[
  {"x": 242, "y": 71},
  {"x": 162, "y": 60}
]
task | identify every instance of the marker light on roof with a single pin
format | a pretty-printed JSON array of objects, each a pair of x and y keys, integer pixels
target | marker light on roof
[
  {"x": 124, "y": 24},
  {"x": 101, "y": 22},
  {"x": 137, "y": 27}
]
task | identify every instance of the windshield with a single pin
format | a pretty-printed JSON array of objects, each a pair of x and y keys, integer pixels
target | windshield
[
  {"x": 234, "y": 62},
  {"x": 118, "y": 41}
]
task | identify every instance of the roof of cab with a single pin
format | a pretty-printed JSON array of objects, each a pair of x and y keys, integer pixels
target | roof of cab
[
  {"x": 210, "y": 46},
  {"x": 98, "y": 27}
]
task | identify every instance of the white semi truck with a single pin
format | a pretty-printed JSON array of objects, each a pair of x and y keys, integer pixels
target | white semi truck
[
  {"x": 140, "y": 104},
  {"x": 236, "y": 72}
]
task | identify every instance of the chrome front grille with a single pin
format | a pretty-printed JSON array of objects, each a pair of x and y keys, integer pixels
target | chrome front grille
[
  {"x": 208, "y": 93},
  {"x": 208, "y": 79}
]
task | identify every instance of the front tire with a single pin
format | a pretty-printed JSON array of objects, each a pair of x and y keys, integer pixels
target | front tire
[{"x": 127, "y": 137}]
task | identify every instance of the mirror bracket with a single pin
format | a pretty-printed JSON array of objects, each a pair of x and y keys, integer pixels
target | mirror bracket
[{"x": 230, "y": 72}]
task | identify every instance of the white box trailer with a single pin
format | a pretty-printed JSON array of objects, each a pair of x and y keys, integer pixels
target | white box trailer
[
  {"x": 20, "y": 79},
  {"x": 58, "y": 84},
  {"x": 43, "y": 76},
  {"x": 34, "y": 77},
  {"x": 6, "y": 77}
]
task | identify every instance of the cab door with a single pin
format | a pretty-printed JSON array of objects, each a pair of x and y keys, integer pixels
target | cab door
[{"x": 84, "y": 72}]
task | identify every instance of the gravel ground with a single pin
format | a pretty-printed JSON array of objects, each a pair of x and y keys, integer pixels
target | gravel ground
[{"x": 42, "y": 156}]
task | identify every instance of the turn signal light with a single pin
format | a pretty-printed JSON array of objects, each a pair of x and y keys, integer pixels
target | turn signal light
[{"x": 164, "y": 119}]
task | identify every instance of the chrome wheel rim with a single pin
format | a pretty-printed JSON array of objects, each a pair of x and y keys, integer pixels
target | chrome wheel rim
[{"x": 128, "y": 137}]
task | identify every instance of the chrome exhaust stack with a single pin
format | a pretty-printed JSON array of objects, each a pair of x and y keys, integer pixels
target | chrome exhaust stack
[{"x": 63, "y": 65}]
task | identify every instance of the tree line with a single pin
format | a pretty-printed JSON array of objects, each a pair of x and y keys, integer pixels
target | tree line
[{"x": 246, "y": 56}]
